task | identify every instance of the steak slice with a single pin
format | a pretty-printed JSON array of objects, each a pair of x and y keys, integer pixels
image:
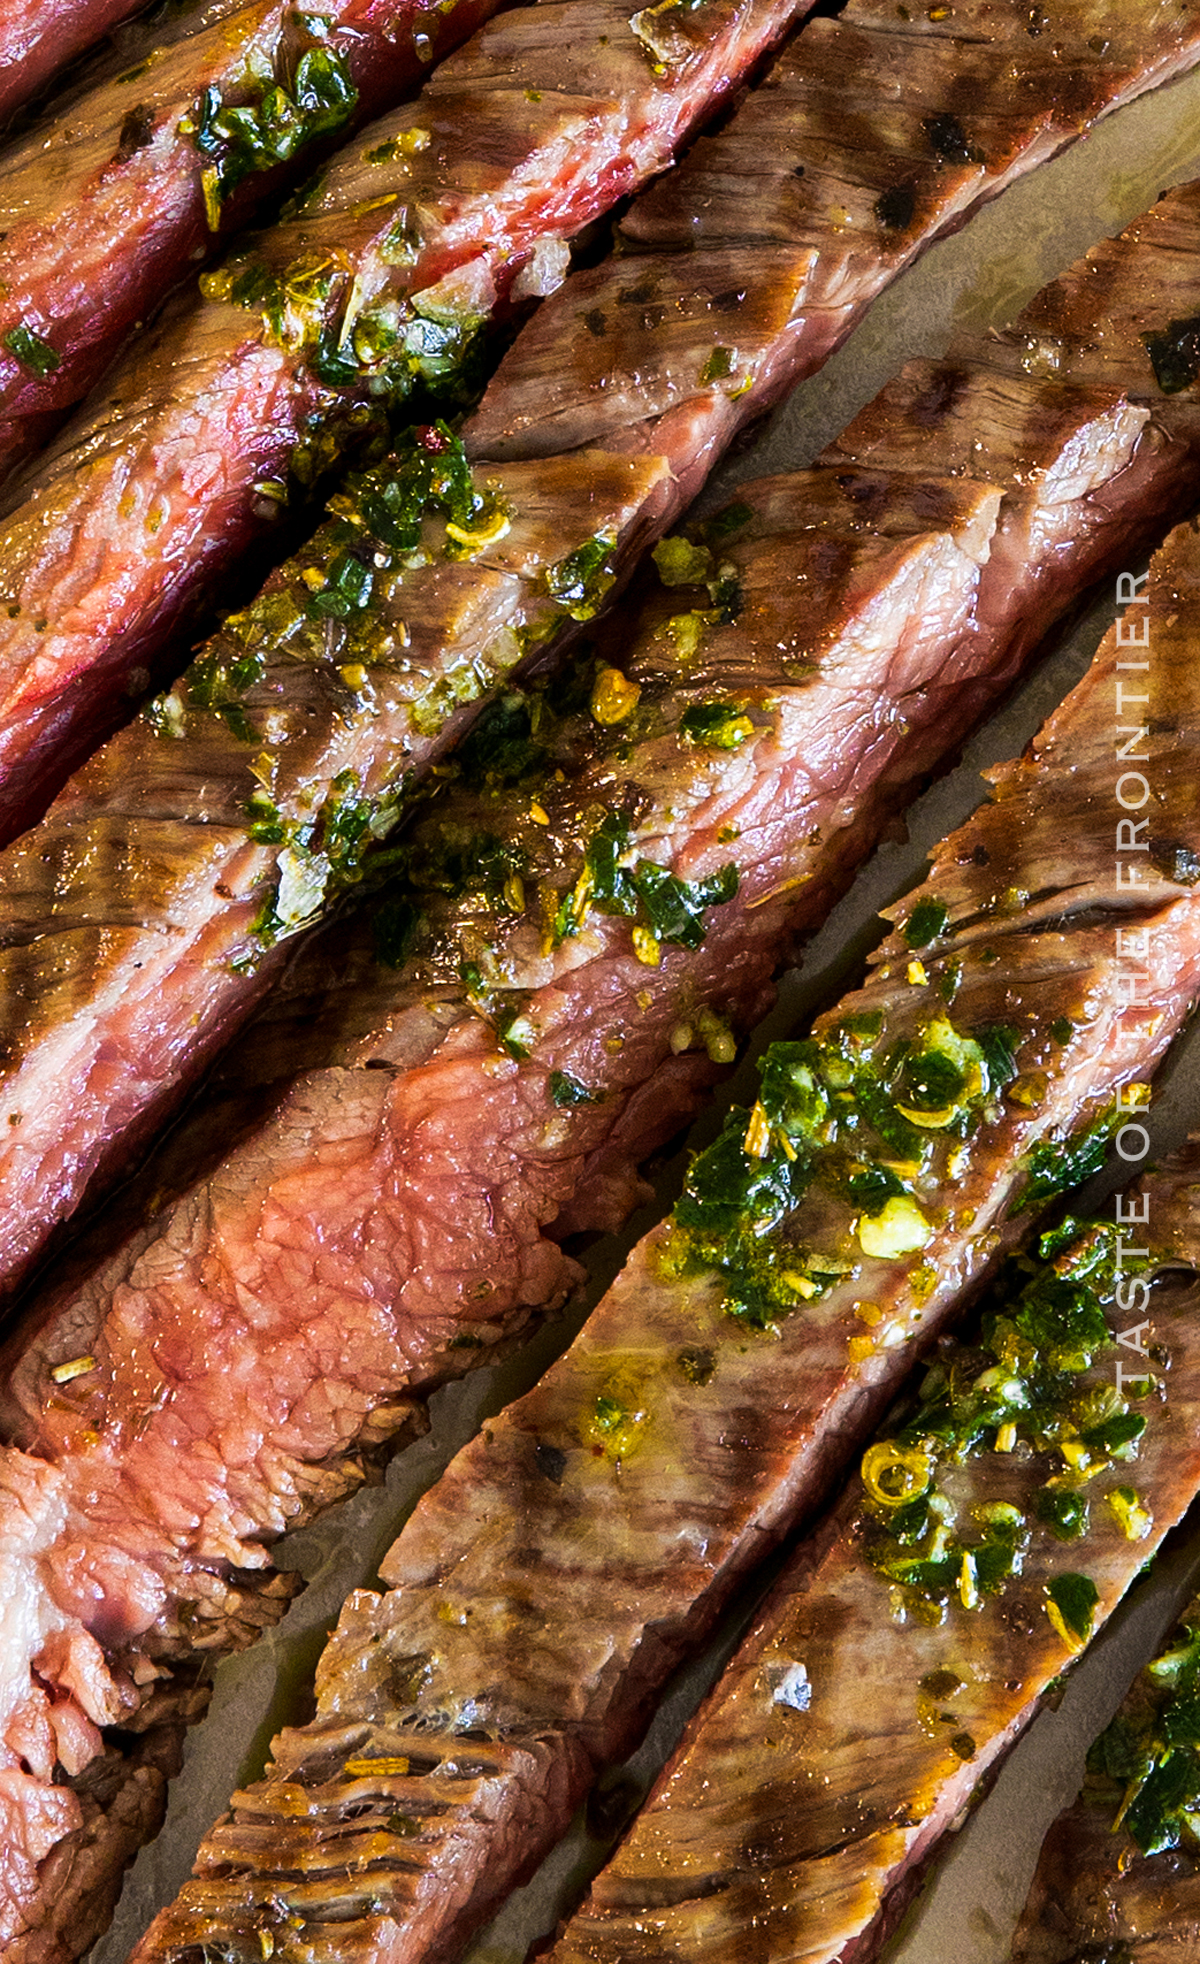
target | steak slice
[
  {"x": 39, "y": 37},
  {"x": 1061, "y": 848},
  {"x": 905, "y": 1648},
  {"x": 679, "y": 407},
  {"x": 416, "y": 236},
  {"x": 149, "y": 912},
  {"x": 1117, "y": 1873},
  {"x": 107, "y": 206},
  {"x": 544, "y": 1588},
  {"x": 413, "y": 238},
  {"x": 494, "y": 1160},
  {"x": 329, "y": 1272}
]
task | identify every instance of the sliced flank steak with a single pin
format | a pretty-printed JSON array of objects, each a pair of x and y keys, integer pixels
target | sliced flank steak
[
  {"x": 910, "y": 1641},
  {"x": 497, "y": 1136},
  {"x": 582, "y": 1544},
  {"x": 119, "y": 196},
  {"x": 462, "y": 202},
  {"x": 430, "y": 221}
]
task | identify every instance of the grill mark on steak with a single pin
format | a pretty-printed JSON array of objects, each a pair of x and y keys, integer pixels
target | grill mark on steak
[
  {"x": 102, "y": 209},
  {"x": 1056, "y": 504},
  {"x": 469, "y": 187},
  {"x": 690, "y": 433},
  {"x": 778, "y": 332},
  {"x": 700, "y": 1803},
  {"x": 40, "y": 37},
  {"x": 418, "y": 231},
  {"x": 461, "y": 1110},
  {"x": 901, "y": 1777},
  {"x": 145, "y": 877},
  {"x": 647, "y": 1536}
]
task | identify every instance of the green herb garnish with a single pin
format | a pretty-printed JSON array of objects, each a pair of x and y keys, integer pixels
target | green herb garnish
[
  {"x": 716, "y": 725},
  {"x": 566, "y": 1091},
  {"x": 245, "y": 138},
  {"x": 31, "y": 351},
  {"x": 927, "y": 920},
  {"x": 673, "y": 909}
]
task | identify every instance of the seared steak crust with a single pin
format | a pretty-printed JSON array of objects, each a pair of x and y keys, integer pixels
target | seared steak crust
[
  {"x": 668, "y": 391},
  {"x": 791, "y": 1812},
  {"x": 808, "y": 1858},
  {"x": 148, "y": 913},
  {"x": 476, "y": 1128},
  {"x": 111, "y": 203},
  {"x": 418, "y": 233},
  {"x": 414, "y": 237},
  {"x": 297, "y": 1302},
  {"x": 548, "y": 1583}
]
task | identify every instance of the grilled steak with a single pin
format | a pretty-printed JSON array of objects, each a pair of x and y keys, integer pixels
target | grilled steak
[
  {"x": 543, "y": 1589},
  {"x": 566, "y": 997},
  {"x": 1117, "y": 1875},
  {"x": 289, "y": 746},
  {"x": 149, "y": 911},
  {"x": 354, "y": 295},
  {"x": 382, "y": 276},
  {"x": 452, "y": 1024},
  {"x": 107, "y": 207},
  {"x": 908, "y": 1643},
  {"x": 39, "y": 37},
  {"x": 690, "y": 394}
]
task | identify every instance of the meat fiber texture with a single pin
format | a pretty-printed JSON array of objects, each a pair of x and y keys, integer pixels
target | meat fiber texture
[
  {"x": 151, "y": 835},
  {"x": 771, "y": 336},
  {"x": 166, "y": 1495},
  {"x": 408, "y": 244},
  {"x": 1094, "y": 1890},
  {"x": 793, "y": 1804},
  {"x": 475, "y": 176},
  {"x": 634, "y": 344},
  {"x": 170, "y": 808},
  {"x": 425, "y": 650},
  {"x": 103, "y": 209},
  {"x": 674, "y": 408},
  {"x": 40, "y": 37},
  {"x": 545, "y": 1587},
  {"x": 133, "y": 916},
  {"x": 868, "y": 591},
  {"x": 867, "y": 138},
  {"x": 815, "y": 1892},
  {"x": 149, "y": 968}
]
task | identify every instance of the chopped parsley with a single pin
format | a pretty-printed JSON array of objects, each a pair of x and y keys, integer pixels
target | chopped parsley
[
  {"x": 1174, "y": 353},
  {"x": 314, "y": 308},
  {"x": 385, "y": 522},
  {"x": 240, "y": 139},
  {"x": 1147, "y": 1762},
  {"x": 672, "y": 909},
  {"x": 580, "y": 580},
  {"x": 31, "y": 351},
  {"x": 566, "y": 1091},
  {"x": 716, "y": 725},
  {"x": 851, "y": 1117},
  {"x": 1056, "y": 1165},
  {"x": 927, "y": 920},
  {"x": 1020, "y": 1389}
]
